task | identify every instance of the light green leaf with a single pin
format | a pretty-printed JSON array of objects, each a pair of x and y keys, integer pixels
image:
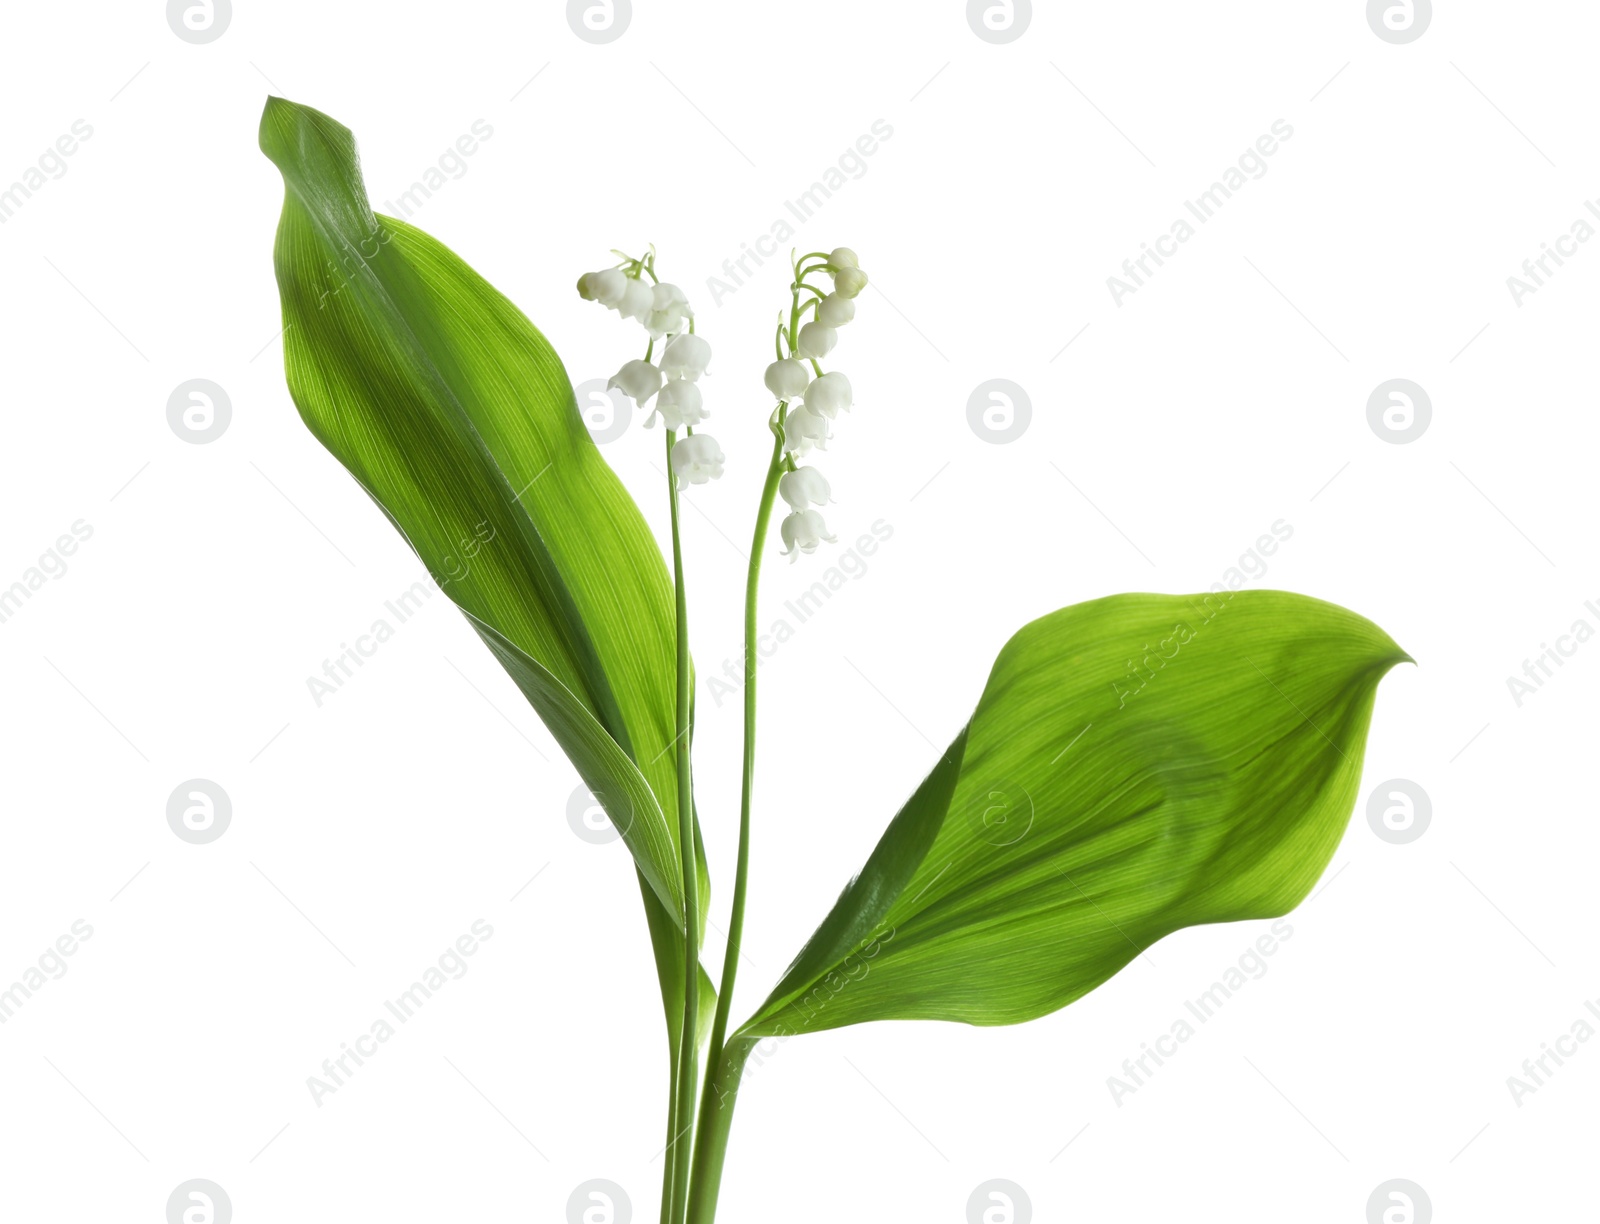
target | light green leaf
[
  {"x": 457, "y": 417},
  {"x": 1135, "y": 765}
]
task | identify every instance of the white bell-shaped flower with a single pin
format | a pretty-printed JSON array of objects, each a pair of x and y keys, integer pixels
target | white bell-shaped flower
[
  {"x": 639, "y": 380},
  {"x": 666, "y": 296},
  {"x": 686, "y": 356},
  {"x": 605, "y": 287},
  {"x": 836, "y": 311},
  {"x": 804, "y": 429},
  {"x": 680, "y": 403},
  {"x": 696, "y": 459},
  {"x": 848, "y": 282},
  {"x": 668, "y": 310},
  {"x": 804, "y": 487},
  {"x": 829, "y": 394},
  {"x": 788, "y": 379},
  {"x": 843, "y": 257},
  {"x": 637, "y": 301},
  {"x": 817, "y": 340},
  {"x": 802, "y": 531},
  {"x": 666, "y": 322}
]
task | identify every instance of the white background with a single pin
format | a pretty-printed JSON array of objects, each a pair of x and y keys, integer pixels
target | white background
[{"x": 1228, "y": 393}]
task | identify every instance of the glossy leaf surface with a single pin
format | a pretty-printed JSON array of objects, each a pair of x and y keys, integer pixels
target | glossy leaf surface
[
  {"x": 453, "y": 412},
  {"x": 1135, "y": 765}
]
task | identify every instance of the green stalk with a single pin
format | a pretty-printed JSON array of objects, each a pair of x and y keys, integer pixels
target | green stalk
[
  {"x": 741, "y": 879},
  {"x": 716, "y": 1120},
  {"x": 669, "y": 1167},
  {"x": 716, "y": 1105},
  {"x": 686, "y": 1078}
]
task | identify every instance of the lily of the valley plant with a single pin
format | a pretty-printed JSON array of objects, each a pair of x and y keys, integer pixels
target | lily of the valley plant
[{"x": 1134, "y": 765}]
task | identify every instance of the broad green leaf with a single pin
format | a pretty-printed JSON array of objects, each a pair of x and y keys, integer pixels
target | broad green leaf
[
  {"x": 1135, "y": 765},
  {"x": 457, "y": 417}
]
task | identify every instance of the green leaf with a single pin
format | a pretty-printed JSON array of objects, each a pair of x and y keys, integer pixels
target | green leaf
[
  {"x": 457, "y": 417},
  {"x": 1135, "y": 765},
  {"x": 667, "y": 943}
]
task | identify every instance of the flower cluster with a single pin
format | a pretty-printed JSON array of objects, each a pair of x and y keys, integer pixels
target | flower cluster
[
  {"x": 808, "y": 398},
  {"x": 633, "y": 290}
]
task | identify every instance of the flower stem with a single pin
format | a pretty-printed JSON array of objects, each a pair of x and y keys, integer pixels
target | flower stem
[
  {"x": 716, "y": 1105},
  {"x": 685, "y": 1079}
]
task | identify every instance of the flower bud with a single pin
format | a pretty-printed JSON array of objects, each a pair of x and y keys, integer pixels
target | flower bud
[
  {"x": 847, "y": 282},
  {"x": 804, "y": 487},
  {"x": 696, "y": 459},
  {"x": 639, "y": 380},
  {"x": 843, "y": 257},
  {"x": 788, "y": 379},
  {"x": 817, "y": 340},
  {"x": 679, "y": 404},
  {"x": 802, "y": 531},
  {"x": 836, "y": 311},
  {"x": 605, "y": 287},
  {"x": 686, "y": 356},
  {"x": 829, "y": 394}
]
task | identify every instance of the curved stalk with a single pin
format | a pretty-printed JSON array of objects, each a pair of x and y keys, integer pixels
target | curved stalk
[
  {"x": 741, "y": 879},
  {"x": 685, "y": 1077},
  {"x": 716, "y": 1105}
]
